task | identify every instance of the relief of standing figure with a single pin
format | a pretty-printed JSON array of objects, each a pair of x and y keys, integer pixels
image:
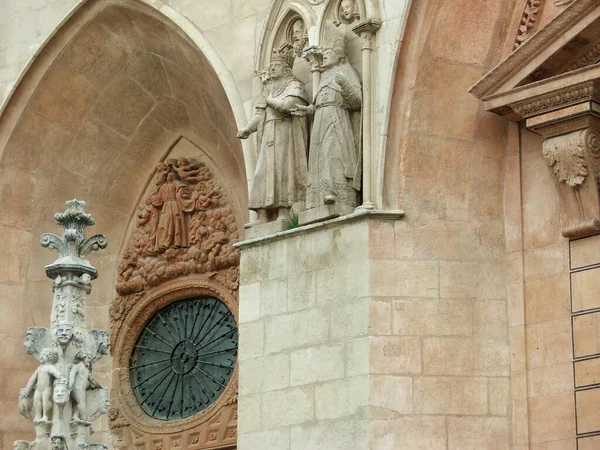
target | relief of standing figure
[
  {"x": 41, "y": 383},
  {"x": 334, "y": 165},
  {"x": 80, "y": 378},
  {"x": 281, "y": 167}
]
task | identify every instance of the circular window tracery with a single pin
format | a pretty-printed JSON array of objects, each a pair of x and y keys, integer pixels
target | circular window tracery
[{"x": 184, "y": 358}]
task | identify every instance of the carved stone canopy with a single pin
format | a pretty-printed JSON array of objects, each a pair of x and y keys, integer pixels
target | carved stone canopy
[{"x": 552, "y": 83}]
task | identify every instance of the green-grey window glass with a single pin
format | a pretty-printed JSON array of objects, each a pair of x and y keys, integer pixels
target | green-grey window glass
[{"x": 184, "y": 358}]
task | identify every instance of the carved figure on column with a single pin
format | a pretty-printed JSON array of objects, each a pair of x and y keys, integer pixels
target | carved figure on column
[
  {"x": 80, "y": 379},
  {"x": 281, "y": 167},
  {"x": 64, "y": 367},
  {"x": 40, "y": 384},
  {"x": 334, "y": 167}
]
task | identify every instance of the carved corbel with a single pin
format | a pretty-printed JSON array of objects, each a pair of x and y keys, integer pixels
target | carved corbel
[
  {"x": 574, "y": 161},
  {"x": 572, "y": 151}
]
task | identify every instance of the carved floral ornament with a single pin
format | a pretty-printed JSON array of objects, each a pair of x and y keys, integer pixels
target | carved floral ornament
[
  {"x": 566, "y": 158},
  {"x": 529, "y": 19}
]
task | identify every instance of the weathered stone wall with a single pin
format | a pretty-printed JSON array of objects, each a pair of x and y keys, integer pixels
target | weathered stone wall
[
  {"x": 446, "y": 284},
  {"x": 539, "y": 306},
  {"x": 305, "y": 312},
  {"x": 346, "y": 338}
]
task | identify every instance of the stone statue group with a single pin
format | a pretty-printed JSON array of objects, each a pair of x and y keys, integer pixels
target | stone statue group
[
  {"x": 62, "y": 398},
  {"x": 289, "y": 168},
  {"x": 62, "y": 389}
]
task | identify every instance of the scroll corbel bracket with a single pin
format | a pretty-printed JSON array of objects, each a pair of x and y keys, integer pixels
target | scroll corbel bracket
[
  {"x": 94, "y": 243},
  {"x": 54, "y": 242},
  {"x": 574, "y": 161}
]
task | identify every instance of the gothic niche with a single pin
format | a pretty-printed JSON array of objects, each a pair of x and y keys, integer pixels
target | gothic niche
[
  {"x": 313, "y": 119},
  {"x": 185, "y": 226}
]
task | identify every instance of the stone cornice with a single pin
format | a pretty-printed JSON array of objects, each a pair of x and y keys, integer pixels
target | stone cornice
[
  {"x": 361, "y": 214},
  {"x": 570, "y": 95},
  {"x": 549, "y": 38},
  {"x": 570, "y": 80}
]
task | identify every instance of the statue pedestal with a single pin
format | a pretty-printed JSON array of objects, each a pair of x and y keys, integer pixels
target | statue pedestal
[
  {"x": 265, "y": 229},
  {"x": 313, "y": 334},
  {"x": 324, "y": 212}
]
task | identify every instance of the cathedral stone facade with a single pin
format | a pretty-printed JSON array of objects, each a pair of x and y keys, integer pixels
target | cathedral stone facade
[{"x": 331, "y": 224}]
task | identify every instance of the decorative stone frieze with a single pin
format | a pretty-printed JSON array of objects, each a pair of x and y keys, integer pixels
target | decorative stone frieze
[
  {"x": 62, "y": 397},
  {"x": 591, "y": 55},
  {"x": 570, "y": 95}
]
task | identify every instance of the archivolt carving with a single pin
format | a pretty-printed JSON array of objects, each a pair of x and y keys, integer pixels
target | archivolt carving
[
  {"x": 182, "y": 247},
  {"x": 528, "y": 22},
  {"x": 186, "y": 226}
]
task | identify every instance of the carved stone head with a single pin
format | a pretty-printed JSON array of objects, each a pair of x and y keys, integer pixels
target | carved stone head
[
  {"x": 103, "y": 345},
  {"x": 58, "y": 442},
  {"x": 85, "y": 357},
  {"x": 61, "y": 392},
  {"x": 64, "y": 333},
  {"x": 282, "y": 61},
  {"x": 298, "y": 36},
  {"x": 264, "y": 76},
  {"x": 29, "y": 343},
  {"x": 348, "y": 11},
  {"x": 334, "y": 46},
  {"x": 49, "y": 356}
]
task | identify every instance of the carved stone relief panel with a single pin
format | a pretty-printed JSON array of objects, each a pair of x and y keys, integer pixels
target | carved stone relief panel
[
  {"x": 174, "y": 320},
  {"x": 185, "y": 226}
]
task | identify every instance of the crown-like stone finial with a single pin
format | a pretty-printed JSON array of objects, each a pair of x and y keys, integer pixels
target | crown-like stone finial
[{"x": 73, "y": 247}]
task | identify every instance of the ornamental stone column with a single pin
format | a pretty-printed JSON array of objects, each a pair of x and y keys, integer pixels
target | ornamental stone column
[
  {"x": 62, "y": 397},
  {"x": 366, "y": 30}
]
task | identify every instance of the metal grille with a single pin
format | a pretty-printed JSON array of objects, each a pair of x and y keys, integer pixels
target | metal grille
[{"x": 184, "y": 358}]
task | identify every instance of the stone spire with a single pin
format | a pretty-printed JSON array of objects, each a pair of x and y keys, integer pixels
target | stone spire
[{"x": 62, "y": 397}]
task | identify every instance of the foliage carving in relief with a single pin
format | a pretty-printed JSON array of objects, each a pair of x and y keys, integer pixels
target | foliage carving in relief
[
  {"x": 567, "y": 161},
  {"x": 186, "y": 226},
  {"x": 528, "y": 21}
]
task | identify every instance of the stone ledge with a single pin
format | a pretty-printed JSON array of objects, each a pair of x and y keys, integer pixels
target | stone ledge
[{"x": 355, "y": 216}]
